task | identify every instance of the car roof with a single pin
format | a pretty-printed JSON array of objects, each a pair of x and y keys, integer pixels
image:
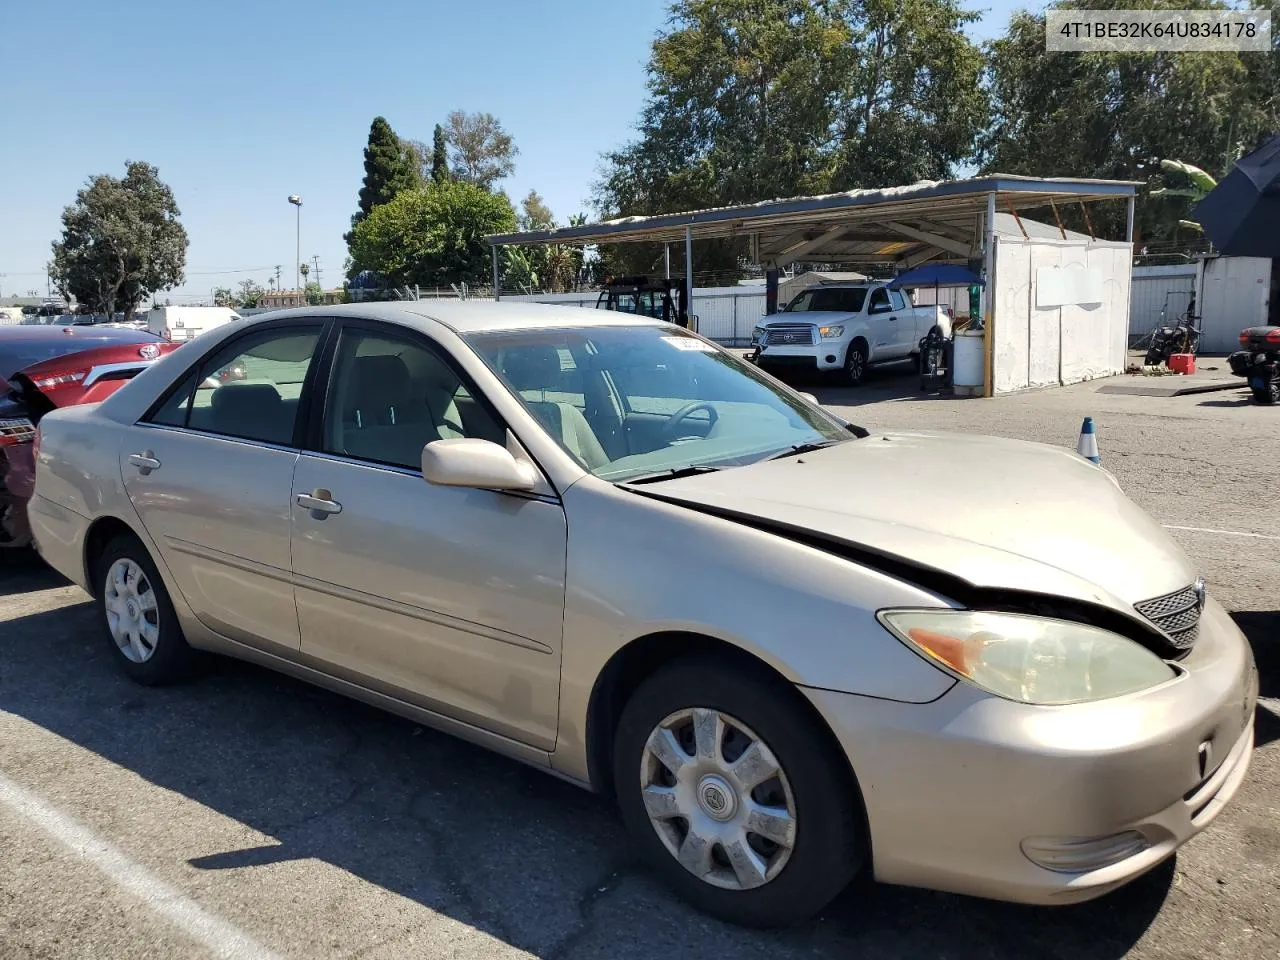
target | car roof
[{"x": 472, "y": 316}]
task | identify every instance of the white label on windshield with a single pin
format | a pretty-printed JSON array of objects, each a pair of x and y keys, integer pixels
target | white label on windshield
[{"x": 690, "y": 343}]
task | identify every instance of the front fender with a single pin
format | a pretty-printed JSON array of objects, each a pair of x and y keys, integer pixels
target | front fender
[{"x": 638, "y": 566}]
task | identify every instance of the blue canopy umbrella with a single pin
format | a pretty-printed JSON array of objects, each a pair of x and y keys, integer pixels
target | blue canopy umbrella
[
  {"x": 937, "y": 275},
  {"x": 1241, "y": 214}
]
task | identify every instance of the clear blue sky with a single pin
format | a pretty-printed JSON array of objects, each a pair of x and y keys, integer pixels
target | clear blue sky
[{"x": 241, "y": 103}]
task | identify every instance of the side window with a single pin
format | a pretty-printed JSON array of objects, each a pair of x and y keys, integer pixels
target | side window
[
  {"x": 898, "y": 301},
  {"x": 173, "y": 412},
  {"x": 879, "y": 301},
  {"x": 390, "y": 397},
  {"x": 250, "y": 388}
]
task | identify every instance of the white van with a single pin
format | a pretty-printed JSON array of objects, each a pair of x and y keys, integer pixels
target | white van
[{"x": 187, "y": 323}]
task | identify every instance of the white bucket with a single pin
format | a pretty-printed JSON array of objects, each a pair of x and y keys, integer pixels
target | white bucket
[{"x": 968, "y": 360}]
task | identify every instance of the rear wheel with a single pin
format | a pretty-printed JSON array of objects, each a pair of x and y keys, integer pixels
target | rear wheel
[
  {"x": 1267, "y": 395},
  {"x": 731, "y": 795},
  {"x": 138, "y": 617},
  {"x": 855, "y": 362}
]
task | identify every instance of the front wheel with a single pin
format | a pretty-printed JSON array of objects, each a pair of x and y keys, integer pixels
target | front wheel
[
  {"x": 855, "y": 363},
  {"x": 731, "y": 795},
  {"x": 1268, "y": 394}
]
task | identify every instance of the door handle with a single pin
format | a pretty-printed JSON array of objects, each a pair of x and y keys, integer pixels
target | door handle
[
  {"x": 145, "y": 462},
  {"x": 320, "y": 503},
  {"x": 893, "y": 319}
]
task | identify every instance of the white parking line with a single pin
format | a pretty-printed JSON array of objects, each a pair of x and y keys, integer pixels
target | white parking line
[
  {"x": 1225, "y": 533},
  {"x": 223, "y": 939}
]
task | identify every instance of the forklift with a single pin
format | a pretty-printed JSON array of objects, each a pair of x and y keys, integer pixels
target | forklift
[{"x": 662, "y": 298}]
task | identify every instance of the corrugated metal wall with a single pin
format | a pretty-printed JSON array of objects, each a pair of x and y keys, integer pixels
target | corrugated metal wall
[{"x": 1159, "y": 295}]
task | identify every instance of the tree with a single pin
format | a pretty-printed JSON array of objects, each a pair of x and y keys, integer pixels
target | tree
[
  {"x": 249, "y": 296},
  {"x": 439, "y": 156},
  {"x": 313, "y": 293},
  {"x": 223, "y": 297},
  {"x": 1114, "y": 115},
  {"x": 304, "y": 268},
  {"x": 389, "y": 168},
  {"x": 752, "y": 100},
  {"x": 433, "y": 236},
  {"x": 121, "y": 241},
  {"x": 481, "y": 151}
]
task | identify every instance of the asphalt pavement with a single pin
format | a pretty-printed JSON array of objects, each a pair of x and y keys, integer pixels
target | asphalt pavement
[{"x": 248, "y": 815}]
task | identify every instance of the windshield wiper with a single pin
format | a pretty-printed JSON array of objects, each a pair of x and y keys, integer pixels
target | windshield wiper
[
  {"x": 802, "y": 448},
  {"x": 674, "y": 474}
]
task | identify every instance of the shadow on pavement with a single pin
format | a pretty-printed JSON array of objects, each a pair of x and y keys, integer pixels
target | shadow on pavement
[
  {"x": 504, "y": 848},
  {"x": 22, "y": 571},
  {"x": 1263, "y": 630},
  {"x": 1242, "y": 402}
]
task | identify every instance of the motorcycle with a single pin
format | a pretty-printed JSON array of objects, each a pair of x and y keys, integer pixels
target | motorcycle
[
  {"x": 1182, "y": 337},
  {"x": 1258, "y": 361}
]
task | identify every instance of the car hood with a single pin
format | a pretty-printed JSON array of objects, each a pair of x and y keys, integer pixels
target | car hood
[{"x": 993, "y": 513}]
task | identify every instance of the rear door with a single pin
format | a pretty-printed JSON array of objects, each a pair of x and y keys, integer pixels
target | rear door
[
  {"x": 887, "y": 337},
  {"x": 210, "y": 470}
]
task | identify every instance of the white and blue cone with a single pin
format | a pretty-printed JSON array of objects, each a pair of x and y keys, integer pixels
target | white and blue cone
[{"x": 1087, "y": 446}]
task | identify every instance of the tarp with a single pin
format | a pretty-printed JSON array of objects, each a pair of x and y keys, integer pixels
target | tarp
[
  {"x": 1241, "y": 215},
  {"x": 936, "y": 275}
]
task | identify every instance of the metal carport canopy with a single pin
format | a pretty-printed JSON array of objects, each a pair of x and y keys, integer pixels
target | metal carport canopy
[{"x": 902, "y": 225}]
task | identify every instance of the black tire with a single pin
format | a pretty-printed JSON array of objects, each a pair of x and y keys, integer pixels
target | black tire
[
  {"x": 1267, "y": 395},
  {"x": 855, "y": 363},
  {"x": 830, "y": 844},
  {"x": 1153, "y": 357},
  {"x": 171, "y": 659}
]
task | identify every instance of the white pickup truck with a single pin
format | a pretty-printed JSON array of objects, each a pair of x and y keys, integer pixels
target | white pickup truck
[{"x": 846, "y": 327}]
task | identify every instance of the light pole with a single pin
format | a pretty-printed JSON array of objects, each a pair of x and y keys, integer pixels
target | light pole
[{"x": 297, "y": 258}]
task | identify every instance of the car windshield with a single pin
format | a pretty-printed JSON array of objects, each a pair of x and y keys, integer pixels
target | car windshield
[
  {"x": 635, "y": 401},
  {"x": 834, "y": 299}
]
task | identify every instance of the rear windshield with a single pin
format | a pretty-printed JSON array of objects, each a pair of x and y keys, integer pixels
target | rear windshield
[{"x": 837, "y": 299}]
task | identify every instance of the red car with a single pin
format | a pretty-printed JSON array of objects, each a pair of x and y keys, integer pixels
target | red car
[{"x": 44, "y": 367}]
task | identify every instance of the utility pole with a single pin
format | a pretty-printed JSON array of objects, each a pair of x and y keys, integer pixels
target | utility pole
[
  {"x": 297, "y": 254},
  {"x": 315, "y": 258}
]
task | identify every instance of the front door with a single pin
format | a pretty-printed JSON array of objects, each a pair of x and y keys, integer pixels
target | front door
[
  {"x": 210, "y": 472},
  {"x": 449, "y": 598}
]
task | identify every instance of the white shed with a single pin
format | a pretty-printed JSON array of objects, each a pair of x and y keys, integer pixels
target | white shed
[{"x": 1061, "y": 308}]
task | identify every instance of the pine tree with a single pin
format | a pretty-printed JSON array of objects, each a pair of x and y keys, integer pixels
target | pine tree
[
  {"x": 439, "y": 156},
  {"x": 388, "y": 169}
]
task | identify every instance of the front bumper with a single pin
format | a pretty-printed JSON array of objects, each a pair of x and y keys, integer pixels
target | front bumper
[
  {"x": 957, "y": 790},
  {"x": 823, "y": 356}
]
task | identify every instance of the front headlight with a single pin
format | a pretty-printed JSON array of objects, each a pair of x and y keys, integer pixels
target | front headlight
[
  {"x": 756, "y": 334},
  {"x": 830, "y": 333},
  {"x": 1029, "y": 659}
]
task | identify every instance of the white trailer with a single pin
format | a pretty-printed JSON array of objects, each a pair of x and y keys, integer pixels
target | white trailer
[{"x": 187, "y": 323}]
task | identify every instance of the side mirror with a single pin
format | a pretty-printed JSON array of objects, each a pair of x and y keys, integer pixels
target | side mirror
[{"x": 470, "y": 462}]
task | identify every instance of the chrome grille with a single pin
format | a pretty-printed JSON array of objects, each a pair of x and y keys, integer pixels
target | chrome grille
[
  {"x": 791, "y": 335},
  {"x": 1177, "y": 614}
]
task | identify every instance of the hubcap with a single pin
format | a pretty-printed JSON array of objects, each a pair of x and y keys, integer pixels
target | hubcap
[
  {"x": 133, "y": 617},
  {"x": 855, "y": 365},
  {"x": 718, "y": 798}
]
